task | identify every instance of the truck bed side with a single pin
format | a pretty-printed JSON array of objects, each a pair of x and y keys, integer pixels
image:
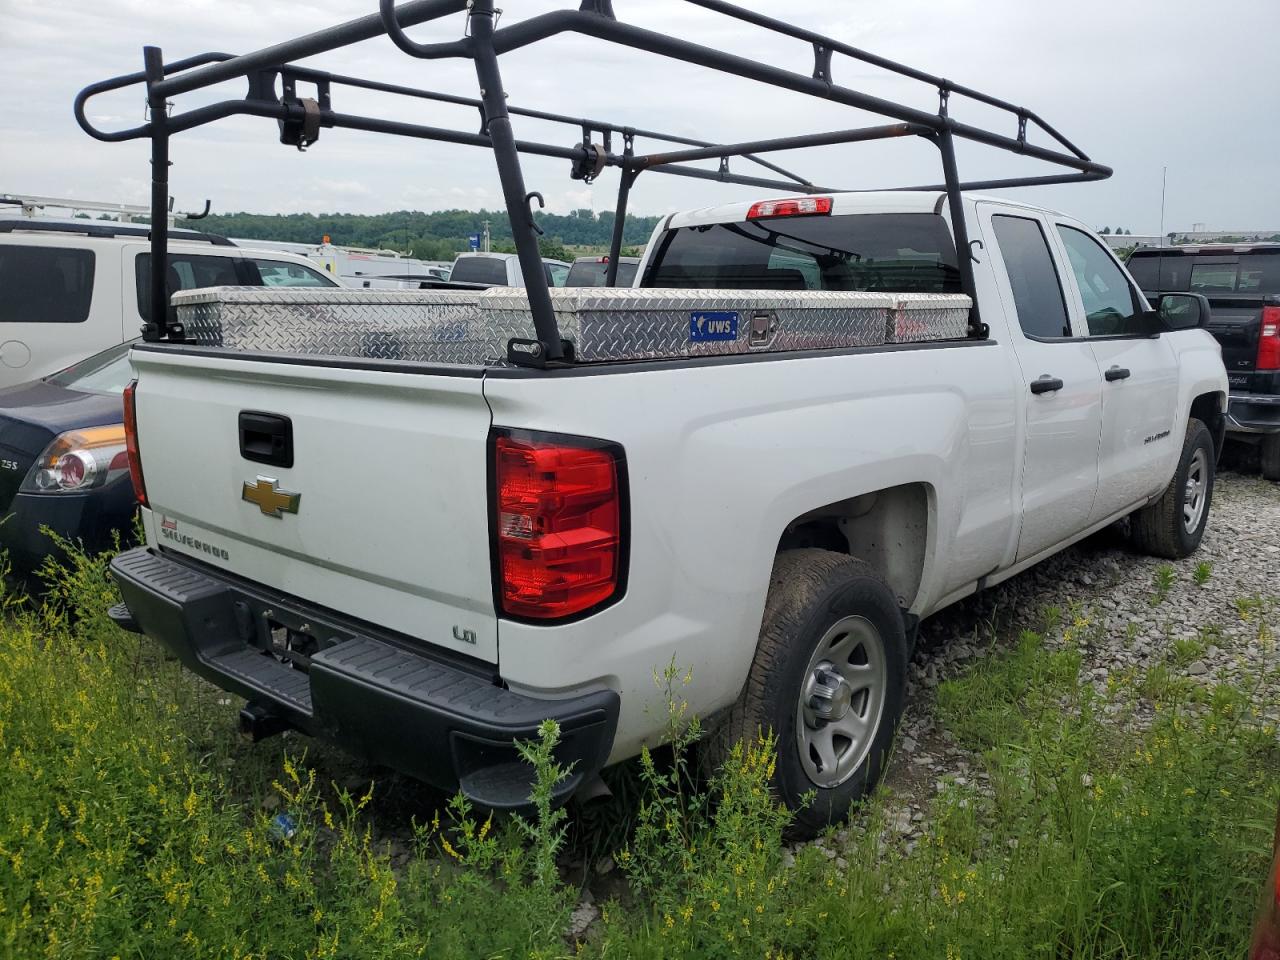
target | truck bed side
[{"x": 723, "y": 456}]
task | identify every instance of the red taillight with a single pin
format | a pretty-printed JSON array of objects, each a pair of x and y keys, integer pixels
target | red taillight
[
  {"x": 797, "y": 207},
  {"x": 558, "y": 523},
  {"x": 131, "y": 442},
  {"x": 1269, "y": 340}
]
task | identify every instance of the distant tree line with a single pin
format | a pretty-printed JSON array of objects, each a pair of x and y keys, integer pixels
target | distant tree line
[
  {"x": 1179, "y": 239},
  {"x": 429, "y": 236}
]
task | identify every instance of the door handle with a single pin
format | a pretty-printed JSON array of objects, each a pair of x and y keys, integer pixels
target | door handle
[
  {"x": 266, "y": 438},
  {"x": 1117, "y": 373},
  {"x": 1046, "y": 384}
]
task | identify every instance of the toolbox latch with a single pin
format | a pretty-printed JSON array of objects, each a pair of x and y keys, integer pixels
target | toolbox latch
[{"x": 763, "y": 326}]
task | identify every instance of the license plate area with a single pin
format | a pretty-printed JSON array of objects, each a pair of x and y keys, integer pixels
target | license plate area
[
  {"x": 290, "y": 630},
  {"x": 287, "y": 636}
]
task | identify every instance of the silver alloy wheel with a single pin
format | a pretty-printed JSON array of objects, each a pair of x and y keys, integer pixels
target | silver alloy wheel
[
  {"x": 841, "y": 701},
  {"x": 1193, "y": 500}
]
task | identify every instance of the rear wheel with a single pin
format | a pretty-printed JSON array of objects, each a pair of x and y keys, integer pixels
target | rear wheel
[
  {"x": 828, "y": 680},
  {"x": 1269, "y": 456},
  {"x": 1173, "y": 526}
]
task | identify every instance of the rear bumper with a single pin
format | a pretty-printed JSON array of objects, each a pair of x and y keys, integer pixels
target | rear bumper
[
  {"x": 1253, "y": 413},
  {"x": 442, "y": 721}
]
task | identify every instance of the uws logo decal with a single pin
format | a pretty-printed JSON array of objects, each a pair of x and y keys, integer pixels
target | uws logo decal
[{"x": 705, "y": 325}]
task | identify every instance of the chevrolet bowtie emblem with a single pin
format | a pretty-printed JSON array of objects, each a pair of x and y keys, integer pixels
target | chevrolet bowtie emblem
[{"x": 272, "y": 502}]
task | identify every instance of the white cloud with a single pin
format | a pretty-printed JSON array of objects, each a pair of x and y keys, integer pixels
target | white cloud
[{"x": 1138, "y": 86}]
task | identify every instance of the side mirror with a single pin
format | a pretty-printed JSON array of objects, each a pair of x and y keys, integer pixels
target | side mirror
[{"x": 1182, "y": 311}]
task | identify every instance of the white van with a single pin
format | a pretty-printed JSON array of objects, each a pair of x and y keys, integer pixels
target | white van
[{"x": 69, "y": 288}]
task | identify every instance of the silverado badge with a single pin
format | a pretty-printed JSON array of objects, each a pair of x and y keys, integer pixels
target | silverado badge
[{"x": 271, "y": 501}]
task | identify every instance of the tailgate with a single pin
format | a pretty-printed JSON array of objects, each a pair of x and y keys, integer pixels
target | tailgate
[
  {"x": 1235, "y": 323},
  {"x": 389, "y": 468}
]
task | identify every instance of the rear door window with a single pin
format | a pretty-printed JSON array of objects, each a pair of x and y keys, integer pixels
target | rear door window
[
  {"x": 186, "y": 272},
  {"x": 45, "y": 284},
  {"x": 1033, "y": 278},
  {"x": 898, "y": 252}
]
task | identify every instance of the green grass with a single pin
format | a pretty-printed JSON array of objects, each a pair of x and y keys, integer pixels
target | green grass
[
  {"x": 1184, "y": 650},
  {"x": 131, "y": 825},
  {"x": 1164, "y": 580},
  {"x": 1202, "y": 573},
  {"x": 1162, "y": 684}
]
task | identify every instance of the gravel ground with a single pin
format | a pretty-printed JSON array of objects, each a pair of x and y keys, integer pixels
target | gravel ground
[{"x": 1116, "y": 590}]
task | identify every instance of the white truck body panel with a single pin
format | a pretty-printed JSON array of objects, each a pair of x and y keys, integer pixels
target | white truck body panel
[{"x": 965, "y": 475}]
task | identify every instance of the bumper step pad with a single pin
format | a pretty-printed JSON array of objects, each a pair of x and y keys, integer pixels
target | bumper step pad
[
  {"x": 267, "y": 675},
  {"x": 388, "y": 702}
]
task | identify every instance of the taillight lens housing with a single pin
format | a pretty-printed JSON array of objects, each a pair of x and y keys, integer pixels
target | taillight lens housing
[
  {"x": 795, "y": 207},
  {"x": 79, "y": 461},
  {"x": 559, "y": 524},
  {"x": 1269, "y": 340},
  {"x": 131, "y": 442}
]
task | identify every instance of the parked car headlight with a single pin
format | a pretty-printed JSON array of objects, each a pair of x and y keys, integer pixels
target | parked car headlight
[{"x": 79, "y": 460}]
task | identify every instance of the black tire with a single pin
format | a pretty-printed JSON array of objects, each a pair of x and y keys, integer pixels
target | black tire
[
  {"x": 1161, "y": 528},
  {"x": 812, "y": 593},
  {"x": 1269, "y": 456}
]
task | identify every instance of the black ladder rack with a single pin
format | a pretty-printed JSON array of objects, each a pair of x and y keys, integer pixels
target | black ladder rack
[{"x": 273, "y": 92}]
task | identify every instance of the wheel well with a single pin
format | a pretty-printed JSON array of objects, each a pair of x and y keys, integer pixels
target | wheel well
[
  {"x": 1207, "y": 408},
  {"x": 887, "y": 529}
]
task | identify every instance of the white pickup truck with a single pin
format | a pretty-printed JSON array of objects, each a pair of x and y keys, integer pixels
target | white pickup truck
[{"x": 766, "y": 469}]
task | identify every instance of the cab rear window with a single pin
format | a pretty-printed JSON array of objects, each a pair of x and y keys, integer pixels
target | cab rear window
[
  {"x": 45, "y": 284},
  {"x": 595, "y": 273},
  {"x": 479, "y": 270},
  {"x": 1212, "y": 273},
  {"x": 899, "y": 252},
  {"x": 1251, "y": 274}
]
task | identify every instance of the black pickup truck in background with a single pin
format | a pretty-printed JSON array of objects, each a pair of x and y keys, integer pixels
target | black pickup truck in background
[{"x": 1242, "y": 283}]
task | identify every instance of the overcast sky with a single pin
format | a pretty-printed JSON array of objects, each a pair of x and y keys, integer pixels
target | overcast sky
[{"x": 1136, "y": 84}]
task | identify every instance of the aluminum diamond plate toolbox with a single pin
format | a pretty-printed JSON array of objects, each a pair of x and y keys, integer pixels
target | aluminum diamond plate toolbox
[
  {"x": 918, "y": 317},
  {"x": 473, "y": 327},
  {"x": 442, "y": 326},
  {"x": 652, "y": 324}
]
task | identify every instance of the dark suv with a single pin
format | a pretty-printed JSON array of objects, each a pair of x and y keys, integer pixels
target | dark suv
[{"x": 1242, "y": 283}]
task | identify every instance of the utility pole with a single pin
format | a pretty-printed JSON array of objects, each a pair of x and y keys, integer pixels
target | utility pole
[
  {"x": 1164, "y": 181},
  {"x": 486, "y": 236}
]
